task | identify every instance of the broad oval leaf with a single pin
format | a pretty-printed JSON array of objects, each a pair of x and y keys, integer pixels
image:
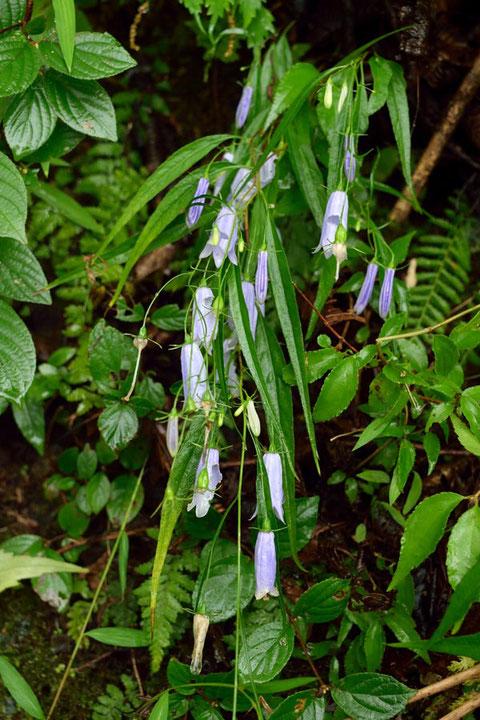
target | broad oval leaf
[
  {"x": 324, "y": 601},
  {"x": 82, "y": 105},
  {"x": 464, "y": 546},
  {"x": 120, "y": 636},
  {"x": 423, "y": 531},
  {"x": 20, "y": 690},
  {"x": 122, "y": 490},
  {"x": 371, "y": 696},
  {"x": 265, "y": 652},
  {"x": 19, "y": 65},
  {"x": 337, "y": 391},
  {"x": 118, "y": 424},
  {"x": 30, "y": 419},
  {"x": 17, "y": 355},
  {"x": 13, "y": 201},
  {"x": 301, "y": 706},
  {"x": 11, "y": 12},
  {"x": 97, "y": 55},
  {"x": 21, "y": 275},
  {"x": 98, "y": 492},
  {"x": 29, "y": 121}
]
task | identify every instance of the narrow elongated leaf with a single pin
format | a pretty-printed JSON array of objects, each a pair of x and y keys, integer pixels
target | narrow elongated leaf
[
  {"x": 266, "y": 652},
  {"x": 403, "y": 467},
  {"x": 13, "y": 201},
  {"x": 397, "y": 104},
  {"x": 465, "y": 594},
  {"x": 382, "y": 74},
  {"x": 82, "y": 105},
  {"x": 22, "y": 567},
  {"x": 21, "y": 275},
  {"x": 287, "y": 309},
  {"x": 120, "y": 636},
  {"x": 371, "y": 696},
  {"x": 464, "y": 546},
  {"x": 65, "y": 25},
  {"x": 20, "y": 690},
  {"x": 19, "y": 65},
  {"x": 97, "y": 55},
  {"x": 423, "y": 531},
  {"x": 375, "y": 428},
  {"x": 299, "y": 77},
  {"x": 325, "y": 284},
  {"x": 180, "y": 484},
  {"x": 305, "y": 165},
  {"x": 465, "y": 645},
  {"x": 160, "y": 709},
  {"x": 178, "y": 163},
  {"x": 337, "y": 391},
  {"x": 29, "y": 121},
  {"x": 17, "y": 355},
  {"x": 66, "y": 205}
]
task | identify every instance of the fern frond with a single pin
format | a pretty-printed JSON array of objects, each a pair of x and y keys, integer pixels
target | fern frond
[
  {"x": 443, "y": 262},
  {"x": 174, "y": 594}
]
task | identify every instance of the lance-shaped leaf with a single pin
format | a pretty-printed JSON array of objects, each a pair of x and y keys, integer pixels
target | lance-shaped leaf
[
  {"x": 65, "y": 25},
  {"x": 180, "y": 484}
]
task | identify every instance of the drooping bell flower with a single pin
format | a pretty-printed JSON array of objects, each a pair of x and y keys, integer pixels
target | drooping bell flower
[
  {"x": 233, "y": 383},
  {"x": 339, "y": 248},
  {"x": 267, "y": 170},
  {"x": 349, "y": 164},
  {"x": 228, "y": 157},
  {"x": 265, "y": 565},
  {"x": 336, "y": 214},
  {"x": 205, "y": 322},
  {"x": 172, "y": 433},
  {"x": 367, "y": 288},
  {"x": 197, "y": 204},
  {"x": 200, "y": 629},
  {"x": 261, "y": 277},
  {"x": 248, "y": 290},
  {"x": 194, "y": 373},
  {"x": 243, "y": 106},
  {"x": 273, "y": 466},
  {"x": 223, "y": 237},
  {"x": 386, "y": 292},
  {"x": 243, "y": 189},
  {"x": 207, "y": 479}
]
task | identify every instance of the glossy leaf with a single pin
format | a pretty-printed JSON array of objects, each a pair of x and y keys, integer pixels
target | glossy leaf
[
  {"x": 122, "y": 490},
  {"x": 17, "y": 355},
  {"x": 382, "y": 74},
  {"x": 431, "y": 443},
  {"x": 97, "y": 55},
  {"x": 337, "y": 391},
  {"x": 423, "y": 531},
  {"x": 65, "y": 26},
  {"x": 376, "y": 428},
  {"x": 464, "y": 595},
  {"x": 403, "y": 468},
  {"x": 29, "y": 121},
  {"x": 21, "y": 277},
  {"x": 304, "y": 163},
  {"x": 463, "y": 550},
  {"x": 120, "y": 636},
  {"x": 305, "y": 514},
  {"x": 160, "y": 709},
  {"x": 265, "y": 652},
  {"x": 30, "y": 419},
  {"x": 469, "y": 441},
  {"x": 11, "y": 12},
  {"x": 463, "y": 645},
  {"x": 19, "y": 65},
  {"x": 98, "y": 492},
  {"x": 397, "y": 104},
  {"x": 446, "y": 354},
  {"x": 118, "y": 424},
  {"x": 20, "y": 690},
  {"x": 371, "y": 696},
  {"x": 13, "y": 201},
  {"x": 324, "y": 601},
  {"x": 301, "y": 706},
  {"x": 296, "y": 80}
]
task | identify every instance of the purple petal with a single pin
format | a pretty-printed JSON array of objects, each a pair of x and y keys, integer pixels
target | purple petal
[
  {"x": 228, "y": 157},
  {"x": 336, "y": 212},
  {"x": 267, "y": 170},
  {"x": 249, "y": 295},
  {"x": 194, "y": 373},
  {"x": 261, "y": 276},
  {"x": 227, "y": 227},
  {"x": 196, "y": 207},
  {"x": 273, "y": 466},
  {"x": 243, "y": 106},
  {"x": 386, "y": 293},
  {"x": 205, "y": 323},
  {"x": 367, "y": 288},
  {"x": 265, "y": 565}
]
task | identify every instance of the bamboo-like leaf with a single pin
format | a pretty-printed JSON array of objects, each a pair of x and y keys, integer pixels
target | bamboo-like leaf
[{"x": 65, "y": 24}]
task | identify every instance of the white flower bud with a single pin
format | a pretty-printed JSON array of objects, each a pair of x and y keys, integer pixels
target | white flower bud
[
  {"x": 253, "y": 419},
  {"x": 328, "y": 97},
  {"x": 200, "y": 629}
]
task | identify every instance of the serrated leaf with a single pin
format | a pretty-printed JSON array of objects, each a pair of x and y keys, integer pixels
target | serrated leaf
[
  {"x": 17, "y": 355},
  {"x": 337, "y": 391},
  {"x": 118, "y": 424},
  {"x": 65, "y": 26},
  {"x": 11, "y": 12},
  {"x": 464, "y": 595},
  {"x": 120, "y": 636},
  {"x": 29, "y": 121},
  {"x": 30, "y": 419},
  {"x": 62, "y": 140},
  {"x": 97, "y": 492},
  {"x": 463, "y": 550},
  {"x": 431, "y": 443},
  {"x": 19, "y": 65},
  {"x": 295, "y": 81},
  {"x": 371, "y": 696},
  {"x": 265, "y": 652},
  {"x": 469, "y": 441},
  {"x": 423, "y": 531},
  {"x": 169, "y": 317},
  {"x": 381, "y": 73},
  {"x": 110, "y": 353},
  {"x": 446, "y": 354},
  {"x": 21, "y": 275},
  {"x": 97, "y": 55},
  {"x": 82, "y": 105},
  {"x": 403, "y": 467},
  {"x": 13, "y": 201},
  {"x": 14, "y": 568},
  {"x": 463, "y": 645},
  {"x": 324, "y": 601},
  {"x": 397, "y": 104},
  {"x": 20, "y": 690},
  {"x": 376, "y": 428},
  {"x": 300, "y": 706}
]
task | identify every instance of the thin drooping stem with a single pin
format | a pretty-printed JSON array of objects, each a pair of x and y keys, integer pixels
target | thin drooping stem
[
  {"x": 96, "y": 596},
  {"x": 427, "y": 330}
]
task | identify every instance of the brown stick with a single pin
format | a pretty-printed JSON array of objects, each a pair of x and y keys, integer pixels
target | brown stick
[
  {"x": 464, "y": 709},
  {"x": 466, "y": 91},
  {"x": 447, "y": 683}
]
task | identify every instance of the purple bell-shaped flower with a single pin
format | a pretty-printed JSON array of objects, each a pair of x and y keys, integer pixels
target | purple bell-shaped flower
[
  {"x": 336, "y": 214},
  {"x": 243, "y": 106},
  {"x": 367, "y": 288},
  {"x": 205, "y": 322},
  {"x": 261, "y": 277},
  {"x": 248, "y": 289},
  {"x": 194, "y": 373},
  {"x": 386, "y": 292},
  {"x": 223, "y": 237},
  {"x": 207, "y": 480},
  {"x": 197, "y": 204},
  {"x": 265, "y": 565}
]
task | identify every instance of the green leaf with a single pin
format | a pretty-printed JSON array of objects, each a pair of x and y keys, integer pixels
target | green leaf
[
  {"x": 470, "y": 404},
  {"x": 180, "y": 485},
  {"x": 376, "y": 428},
  {"x": 160, "y": 709},
  {"x": 123, "y": 552},
  {"x": 178, "y": 163},
  {"x": 463, "y": 550},
  {"x": 265, "y": 652},
  {"x": 295, "y": 81},
  {"x": 11, "y": 12},
  {"x": 403, "y": 468},
  {"x": 324, "y": 601},
  {"x": 110, "y": 352},
  {"x": 326, "y": 281},
  {"x": 118, "y": 424},
  {"x": 287, "y": 309},
  {"x": 423, "y": 531},
  {"x": 97, "y": 492},
  {"x": 82, "y": 105},
  {"x": 464, "y": 595},
  {"x": 122, "y": 489},
  {"x": 20, "y": 690},
  {"x": 169, "y": 317},
  {"x": 374, "y": 644},
  {"x": 382, "y": 74},
  {"x": 86, "y": 463},
  {"x": 217, "y": 593},
  {"x": 97, "y": 55},
  {"x": 306, "y": 516},
  {"x": 431, "y": 443},
  {"x": 337, "y": 391},
  {"x": 66, "y": 205},
  {"x": 120, "y": 636},
  {"x": 30, "y": 419},
  {"x": 21, "y": 275},
  {"x": 446, "y": 354},
  {"x": 469, "y": 441},
  {"x": 301, "y": 706},
  {"x": 397, "y": 104},
  {"x": 62, "y": 140},
  {"x": 29, "y": 121},
  {"x": 17, "y": 355},
  {"x": 463, "y": 645},
  {"x": 72, "y": 519},
  {"x": 19, "y": 65},
  {"x": 23, "y": 567},
  {"x": 371, "y": 696},
  {"x": 13, "y": 201},
  {"x": 65, "y": 26},
  {"x": 439, "y": 413}
]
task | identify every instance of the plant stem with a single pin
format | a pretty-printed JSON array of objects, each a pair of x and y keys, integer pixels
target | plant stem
[
  {"x": 96, "y": 596},
  {"x": 429, "y": 329}
]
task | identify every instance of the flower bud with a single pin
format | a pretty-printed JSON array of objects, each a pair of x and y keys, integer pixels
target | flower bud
[
  {"x": 198, "y": 202},
  {"x": 243, "y": 106},
  {"x": 172, "y": 433},
  {"x": 140, "y": 343},
  {"x": 367, "y": 288},
  {"x": 261, "y": 277},
  {"x": 343, "y": 96},
  {"x": 200, "y": 629},
  {"x": 253, "y": 419},
  {"x": 328, "y": 97},
  {"x": 386, "y": 293}
]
